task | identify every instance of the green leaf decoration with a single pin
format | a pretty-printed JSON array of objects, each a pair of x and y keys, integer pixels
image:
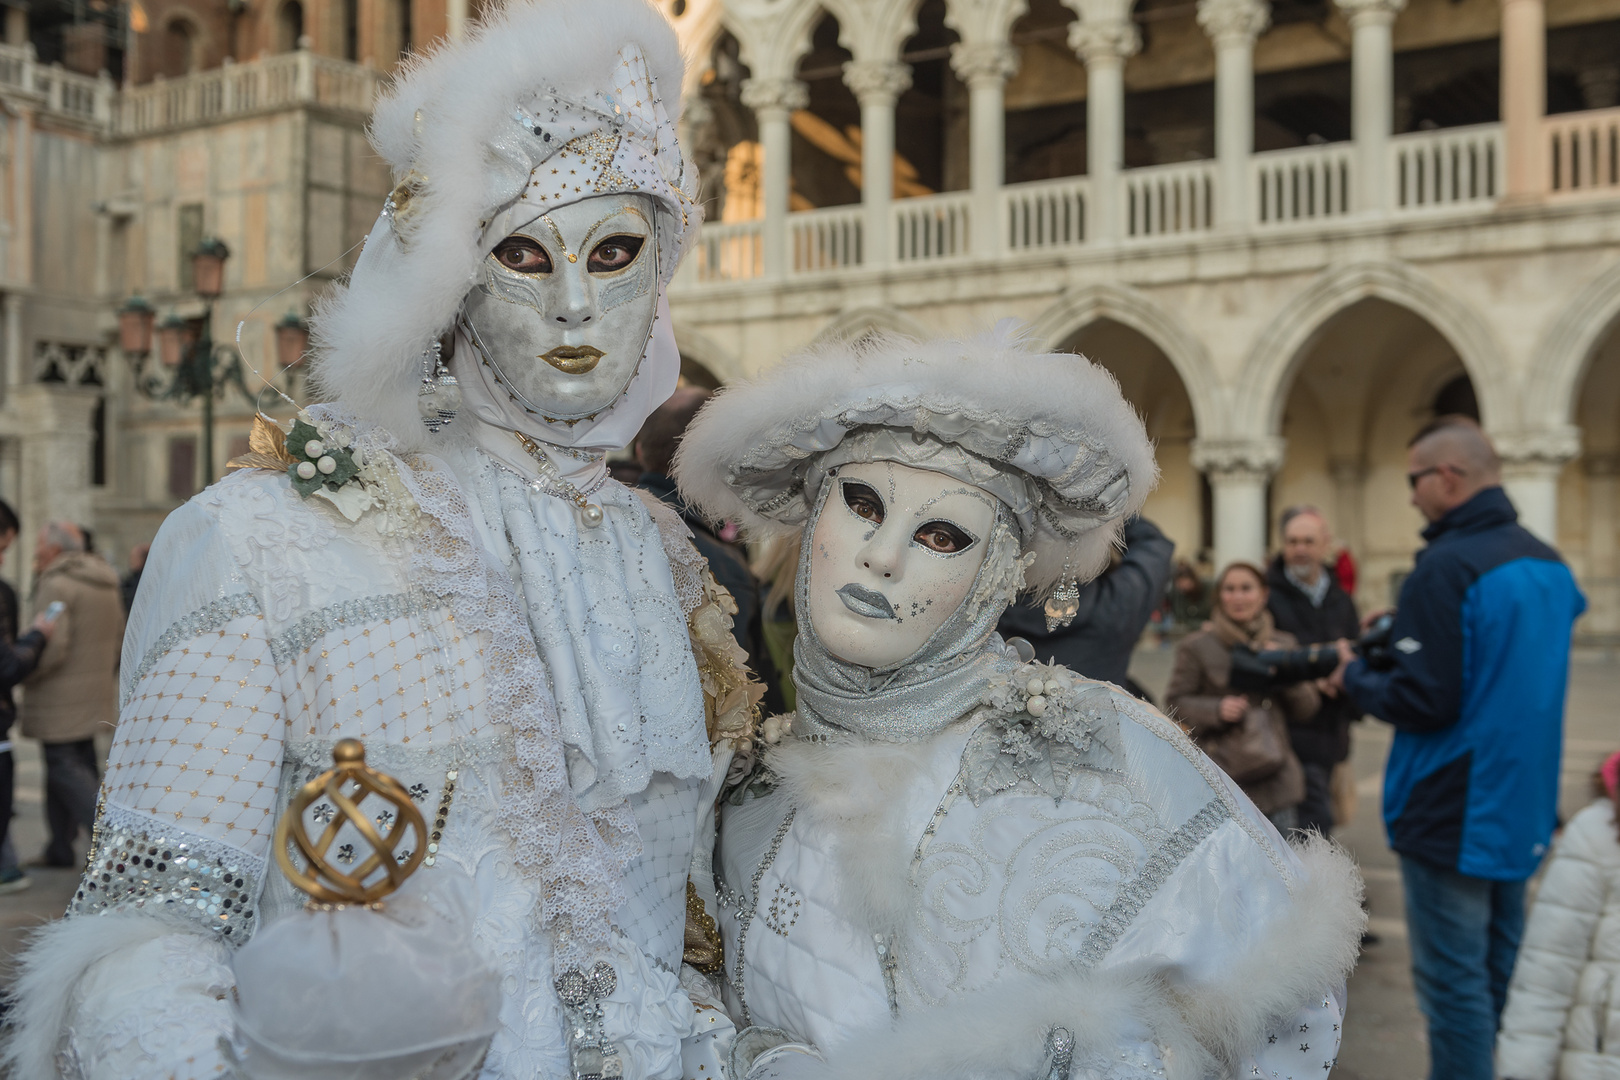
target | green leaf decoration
[{"x": 302, "y": 434}]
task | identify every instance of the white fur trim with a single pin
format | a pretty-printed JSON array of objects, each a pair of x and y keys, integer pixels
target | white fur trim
[
  {"x": 369, "y": 335},
  {"x": 48, "y": 974},
  {"x": 994, "y": 379}
]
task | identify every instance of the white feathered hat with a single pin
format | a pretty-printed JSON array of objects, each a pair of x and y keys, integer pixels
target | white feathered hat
[
  {"x": 549, "y": 102},
  {"x": 1049, "y": 435}
]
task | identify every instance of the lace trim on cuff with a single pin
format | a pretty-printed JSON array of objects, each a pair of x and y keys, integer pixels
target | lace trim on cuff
[{"x": 141, "y": 863}]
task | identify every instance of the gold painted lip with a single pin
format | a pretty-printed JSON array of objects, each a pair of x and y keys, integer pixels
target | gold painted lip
[{"x": 573, "y": 359}]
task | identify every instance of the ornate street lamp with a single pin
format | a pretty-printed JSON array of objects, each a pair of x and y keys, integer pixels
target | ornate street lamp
[
  {"x": 292, "y": 340},
  {"x": 186, "y": 346},
  {"x": 135, "y": 320}
]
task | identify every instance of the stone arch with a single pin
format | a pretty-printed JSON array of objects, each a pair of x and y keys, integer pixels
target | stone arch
[
  {"x": 183, "y": 44},
  {"x": 696, "y": 345},
  {"x": 857, "y": 321},
  {"x": 874, "y": 29},
  {"x": 772, "y": 36},
  {"x": 1564, "y": 353},
  {"x": 696, "y": 29},
  {"x": 1268, "y": 372},
  {"x": 1077, "y": 309},
  {"x": 984, "y": 21}
]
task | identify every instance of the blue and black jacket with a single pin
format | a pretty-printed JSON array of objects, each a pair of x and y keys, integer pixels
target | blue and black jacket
[{"x": 1476, "y": 694}]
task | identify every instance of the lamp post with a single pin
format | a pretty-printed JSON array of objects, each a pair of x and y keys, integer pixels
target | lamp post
[{"x": 201, "y": 370}]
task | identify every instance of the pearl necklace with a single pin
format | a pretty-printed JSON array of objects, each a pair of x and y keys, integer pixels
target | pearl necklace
[{"x": 589, "y": 512}]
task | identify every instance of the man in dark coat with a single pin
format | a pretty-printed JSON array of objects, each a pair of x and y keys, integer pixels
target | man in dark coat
[
  {"x": 1306, "y": 601},
  {"x": 1114, "y": 610}
]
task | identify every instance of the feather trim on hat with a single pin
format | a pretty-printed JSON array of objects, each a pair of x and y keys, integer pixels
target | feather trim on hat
[
  {"x": 451, "y": 129},
  {"x": 1052, "y": 430}
]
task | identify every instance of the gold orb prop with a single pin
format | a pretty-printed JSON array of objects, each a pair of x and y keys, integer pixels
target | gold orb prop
[{"x": 344, "y": 787}]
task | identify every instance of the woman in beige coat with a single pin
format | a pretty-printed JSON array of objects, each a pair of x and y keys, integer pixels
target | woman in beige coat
[{"x": 1246, "y": 734}]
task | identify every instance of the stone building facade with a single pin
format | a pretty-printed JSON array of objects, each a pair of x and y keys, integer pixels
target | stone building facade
[{"x": 1295, "y": 231}]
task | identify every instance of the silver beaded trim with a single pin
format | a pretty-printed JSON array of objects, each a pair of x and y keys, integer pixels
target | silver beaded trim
[
  {"x": 140, "y": 863},
  {"x": 747, "y": 909},
  {"x": 209, "y": 617},
  {"x": 1160, "y": 865},
  {"x": 308, "y": 630}
]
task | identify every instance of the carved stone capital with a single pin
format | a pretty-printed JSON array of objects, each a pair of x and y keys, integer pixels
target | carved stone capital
[
  {"x": 1360, "y": 12},
  {"x": 1234, "y": 22},
  {"x": 985, "y": 62},
  {"x": 1246, "y": 459},
  {"x": 1537, "y": 446},
  {"x": 1115, "y": 39},
  {"x": 775, "y": 95},
  {"x": 877, "y": 82}
]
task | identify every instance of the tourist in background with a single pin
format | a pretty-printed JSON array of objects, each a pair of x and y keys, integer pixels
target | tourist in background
[
  {"x": 1187, "y": 601},
  {"x": 1246, "y": 734},
  {"x": 1114, "y": 610},
  {"x": 18, "y": 657},
  {"x": 1563, "y": 1007},
  {"x": 132, "y": 580},
  {"x": 1307, "y": 602},
  {"x": 1474, "y": 688},
  {"x": 73, "y": 693}
]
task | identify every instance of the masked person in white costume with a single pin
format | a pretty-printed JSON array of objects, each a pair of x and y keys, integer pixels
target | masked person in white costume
[
  {"x": 954, "y": 862},
  {"x": 443, "y": 569}
]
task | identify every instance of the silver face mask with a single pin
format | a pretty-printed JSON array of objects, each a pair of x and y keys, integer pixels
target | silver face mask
[{"x": 563, "y": 311}]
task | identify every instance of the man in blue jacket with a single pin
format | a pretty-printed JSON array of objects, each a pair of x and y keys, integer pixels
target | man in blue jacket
[{"x": 1476, "y": 696}]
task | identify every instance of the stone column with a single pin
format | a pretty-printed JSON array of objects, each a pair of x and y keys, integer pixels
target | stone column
[
  {"x": 54, "y": 469},
  {"x": 1372, "y": 78},
  {"x": 877, "y": 85},
  {"x": 16, "y": 354},
  {"x": 1350, "y": 501},
  {"x": 1531, "y": 463},
  {"x": 1104, "y": 39},
  {"x": 455, "y": 17},
  {"x": 1233, "y": 25},
  {"x": 1602, "y": 567},
  {"x": 773, "y": 102},
  {"x": 1524, "y": 96},
  {"x": 986, "y": 67},
  {"x": 1238, "y": 471}
]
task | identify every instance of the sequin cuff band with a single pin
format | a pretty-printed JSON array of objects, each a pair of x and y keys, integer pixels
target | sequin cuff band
[{"x": 141, "y": 863}]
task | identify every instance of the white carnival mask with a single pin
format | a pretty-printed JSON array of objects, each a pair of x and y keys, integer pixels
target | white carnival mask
[
  {"x": 564, "y": 308},
  {"x": 895, "y": 552}
]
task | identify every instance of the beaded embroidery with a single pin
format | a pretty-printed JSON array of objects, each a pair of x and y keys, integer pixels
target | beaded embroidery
[
  {"x": 209, "y": 617},
  {"x": 139, "y": 862}
]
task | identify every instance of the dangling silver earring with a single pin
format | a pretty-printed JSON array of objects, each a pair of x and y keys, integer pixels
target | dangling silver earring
[
  {"x": 1064, "y": 603},
  {"x": 440, "y": 395}
]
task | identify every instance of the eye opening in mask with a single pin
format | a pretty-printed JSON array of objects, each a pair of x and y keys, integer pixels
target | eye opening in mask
[
  {"x": 522, "y": 255},
  {"x": 863, "y": 501},
  {"x": 616, "y": 253},
  {"x": 943, "y": 537}
]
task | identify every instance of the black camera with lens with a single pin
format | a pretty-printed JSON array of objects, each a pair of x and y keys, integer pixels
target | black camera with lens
[{"x": 1270, "y": 669}]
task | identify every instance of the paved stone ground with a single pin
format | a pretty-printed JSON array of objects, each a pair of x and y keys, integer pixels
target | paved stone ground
[{"x": 1384, "y": 1032}]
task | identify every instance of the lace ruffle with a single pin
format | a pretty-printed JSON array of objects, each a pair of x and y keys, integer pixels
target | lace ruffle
[{"x": 578, "y": 861}]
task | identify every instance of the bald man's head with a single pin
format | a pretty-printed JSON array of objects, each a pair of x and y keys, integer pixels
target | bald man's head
[{"x": 1449, "y": 462}]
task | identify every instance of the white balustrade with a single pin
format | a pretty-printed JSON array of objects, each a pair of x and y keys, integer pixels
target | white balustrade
[
  {"x": 1450, "y": 167},
  {"x": 1583, "y": 153},
  {"x": 275, "y": 82},
  {"x": 1045, "y": 213},
  {"x": 1306, "y": 183},
  {"x": 59, "y": 91},
  {"x": 827, "y": 239},
  {"x": 932, "y": 227},
  {"x": 728, "y": 251},
  {"x": 1161, "y": 200}
]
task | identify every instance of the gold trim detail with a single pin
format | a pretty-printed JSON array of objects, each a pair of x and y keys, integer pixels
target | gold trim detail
[{"x": 705, "y": 948}]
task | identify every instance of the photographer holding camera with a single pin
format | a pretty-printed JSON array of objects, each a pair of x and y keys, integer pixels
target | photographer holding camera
[
  {"x": 1474, "y": 686},
  {"x": 1236, "y": 706}
]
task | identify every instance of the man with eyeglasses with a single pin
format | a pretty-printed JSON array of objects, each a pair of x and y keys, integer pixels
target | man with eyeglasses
[{"x": 1476, "y": 696}]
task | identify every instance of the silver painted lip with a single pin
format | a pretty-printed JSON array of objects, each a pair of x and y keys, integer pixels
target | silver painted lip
[{"x": 865, "y": 602}]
